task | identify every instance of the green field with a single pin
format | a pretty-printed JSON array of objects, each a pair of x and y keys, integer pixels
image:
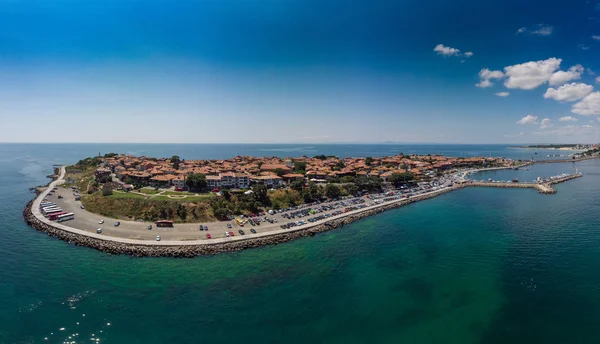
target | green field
[
  {"x": 124, "y": 195},
  {"x": 148, "y": 191}
]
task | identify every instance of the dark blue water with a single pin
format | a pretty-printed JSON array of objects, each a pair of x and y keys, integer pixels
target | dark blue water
[
  {"x": 472, "y": 266},
  {"x": 74, "y": 152}
]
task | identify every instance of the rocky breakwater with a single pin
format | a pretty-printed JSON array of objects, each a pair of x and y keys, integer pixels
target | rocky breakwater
[{"x": 142, "y": 250}]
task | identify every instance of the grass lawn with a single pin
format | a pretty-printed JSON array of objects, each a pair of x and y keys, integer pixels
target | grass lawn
[
  {"x": 125, "y": 195},
  {"x": 168, "y": 192},
  {"x": 187, "y": 199},
  {"x": 148, "y": 191}
]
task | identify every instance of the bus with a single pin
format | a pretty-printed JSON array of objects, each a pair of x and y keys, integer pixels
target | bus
[
  {"x": 46, "y": 204},
  {"x": 50, "y": 210},
  {"x": 55, "y": 216},
  {"x": 53, "y": 213},
  {"x": 49, "y": 206},
  {"x": 164, "y": 223},
  {"x": 66, "y": 217}
]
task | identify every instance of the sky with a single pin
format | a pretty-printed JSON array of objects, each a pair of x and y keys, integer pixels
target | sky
[{"x": 291, "y": 71}]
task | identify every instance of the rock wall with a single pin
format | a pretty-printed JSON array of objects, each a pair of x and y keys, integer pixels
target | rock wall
[{"x": 189, "y": 251}]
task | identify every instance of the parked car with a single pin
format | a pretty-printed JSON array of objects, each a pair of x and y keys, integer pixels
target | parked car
[
  {"x": 149, "y": 227},
  {"x": 99, "y": 230},
  {"x": 231, "y": 233},
  {"x": 158, "y": 238},
  {"x": 252, "y": 230},
  {"x": 117, "y": 224},
  {"x": 241, "y": 232},
  {"x": 208, "y": 236},
  {"x": 101, "y": 221},
  {"x": 229, "y": 225},
  {"x": 227, "y": 234},
  {"x": 82, "y": 207},
  {"x": 201, "y": 227}
]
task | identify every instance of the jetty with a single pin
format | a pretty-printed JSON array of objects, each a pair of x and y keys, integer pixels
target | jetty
[{"x": 544, "y": 187}]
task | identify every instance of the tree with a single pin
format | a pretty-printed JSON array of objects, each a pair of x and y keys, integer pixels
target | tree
[
  {"x": 300, "y": 167},
  {"x": 339, "y": 165},
  {"x": 332, "y": 191},
  {"x": 352, "y": 189},
  {"x": 347, "y": 179},
  {"x": 279, "y": 172},
  {"x": 175, "y": 160},
  {"x": 181, "y": 211},
  {"x": 398, "y": 179},
  {"x": 226, "y": 194},
  {"x": 297, "y": 185},
  {"x": 196, "y": 181},
  {"x": 261, "y": 194},
  {"x": 368, "y": 161},
  {"x": 321, "y": 157}
]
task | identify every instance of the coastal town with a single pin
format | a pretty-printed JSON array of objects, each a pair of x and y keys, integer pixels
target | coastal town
[
  {"x": 152, "y": 206},
  {"x": 242, "y": 172}
]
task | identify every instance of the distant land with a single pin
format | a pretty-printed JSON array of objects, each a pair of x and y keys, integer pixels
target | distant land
[{"x": 571, "y": 146}]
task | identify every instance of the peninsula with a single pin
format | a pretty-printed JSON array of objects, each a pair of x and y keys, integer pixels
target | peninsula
[{"x": 173, "y": 207}]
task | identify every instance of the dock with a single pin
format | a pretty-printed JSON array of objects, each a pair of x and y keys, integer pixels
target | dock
[{"x": 543, "y": 188}]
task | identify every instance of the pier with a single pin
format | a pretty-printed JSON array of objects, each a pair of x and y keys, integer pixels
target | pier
[{"x": 543, "y": 187}]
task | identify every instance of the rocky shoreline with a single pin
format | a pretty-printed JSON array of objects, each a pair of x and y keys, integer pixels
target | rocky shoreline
[{"x": 189, "y": 251}]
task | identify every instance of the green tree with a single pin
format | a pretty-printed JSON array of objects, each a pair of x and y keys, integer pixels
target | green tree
[
  {"x": 297, "y": 185},
  {"x": 397, "y": 179},
  {"x": 181, "y": 212},
  {"x": 347, "y": 179},
  {"x": 352, "y": 189},
  {"x": 339, "y": 165},
  {"x": 226, "y": 194},
  {"x": 279, "y": 171},
  {"x": 175, "y": 160},
  {"x": 261, "y": 194},
  {"x": 300, "y": 167},
  {"x": 321, "y": 157},
  {"x": 332, "y": 191},
  {"x": 196, "y": 181},
  {"x": 368, "y": 161}
]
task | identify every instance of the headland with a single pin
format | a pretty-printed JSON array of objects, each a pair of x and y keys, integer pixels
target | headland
[{"x": 246, "y": 229}]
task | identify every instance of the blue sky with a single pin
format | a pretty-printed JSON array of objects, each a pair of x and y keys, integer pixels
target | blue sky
[{"x": 297, "y": 71}]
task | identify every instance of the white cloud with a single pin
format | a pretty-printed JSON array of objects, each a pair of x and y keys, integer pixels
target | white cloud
[
  {"x": 446, "y": 51},
  {"x": 543, "y": 30},
  {"x": 469, "y": 54},
  {"x": 586, "y": 126},
  {"x": 590, "y": 71},
  {"x": 567, "y": 119},
  {"x": 521, "y": 30},
  {"x": 502, "y": 94},
  {"x": 596, "y": 37},
  {"x": 583, "y": 47},
  {"x": 588, "y": 106},
  {"x": 546, "y": 123},
  {"x": 568, "y": 92},
  {"x": 529, "y": 119},
  {"x": 485, "y": 75},
  {"x": 530, "y": 75},
  {"x": 598, "y": 79},
  {"x": 561, "y": 77}
]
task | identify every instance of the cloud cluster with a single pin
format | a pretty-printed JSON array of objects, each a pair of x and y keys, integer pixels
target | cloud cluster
[
  {"x": 441, "y": 49},
  {"x": 588, "y": 106},
  {"x": 596, "y": 37},
  {"x": 485, "y": 75},
  {"x": 502, "y": 94},
  {"x": 529, "y": 119},
  {"x": 546, "y": 123},
  {"x": 539, "y": 30},
  {"x": 530, "y": 75},
  {"x": 567, "y": 119},
  {"x": 560, "y": 77},
  {"x": 568, "y": 92}
]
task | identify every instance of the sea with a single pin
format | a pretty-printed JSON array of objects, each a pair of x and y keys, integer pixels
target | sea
[{"x": 471, "y": 266}]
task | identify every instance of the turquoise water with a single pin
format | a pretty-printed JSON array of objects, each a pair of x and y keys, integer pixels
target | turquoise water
[{"x": 472, "y": 266}]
